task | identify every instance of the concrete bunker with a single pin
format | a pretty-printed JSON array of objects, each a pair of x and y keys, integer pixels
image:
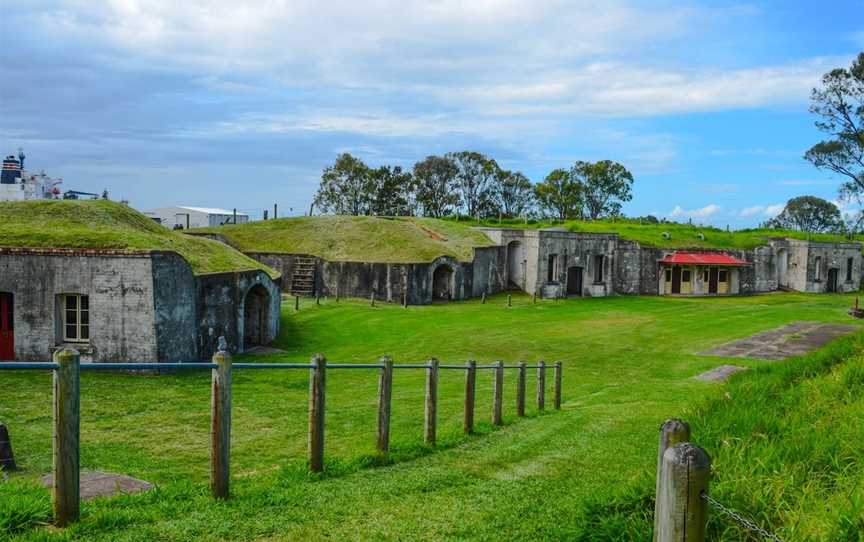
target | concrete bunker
[
  {"x": 516, "y": 265},
  {"x": 256, "y": 317},
  {"x": 442, "y": 283}
]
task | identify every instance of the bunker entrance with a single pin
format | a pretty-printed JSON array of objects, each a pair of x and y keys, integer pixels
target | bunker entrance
[
  {"x": 442, "y": 283},
  {"x": 256, "y": 315}
]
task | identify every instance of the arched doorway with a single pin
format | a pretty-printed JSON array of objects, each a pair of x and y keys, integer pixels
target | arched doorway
[
  {"x": 442, "y": 283},
  {"x": 256, "y": 317},
  {"x": 516, "y": 265},
  {"x": 782, "y": 268}
]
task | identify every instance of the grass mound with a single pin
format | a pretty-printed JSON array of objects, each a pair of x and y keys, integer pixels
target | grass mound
[
  {"x": 109, "y": 225},
  {"x": 358, "y": 238}
]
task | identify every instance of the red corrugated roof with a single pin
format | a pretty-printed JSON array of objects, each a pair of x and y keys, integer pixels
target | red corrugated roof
[{"x": 702, "y": 258}]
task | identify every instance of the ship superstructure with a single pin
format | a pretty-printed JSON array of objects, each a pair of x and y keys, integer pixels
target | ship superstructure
[{"x": 17, "y": 184}]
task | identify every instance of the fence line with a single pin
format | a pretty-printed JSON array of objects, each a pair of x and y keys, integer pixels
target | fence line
[{"x": 67, "y": 367}]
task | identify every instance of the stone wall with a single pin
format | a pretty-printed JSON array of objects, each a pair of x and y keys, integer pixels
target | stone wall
[{"x": 174, "y": 292}]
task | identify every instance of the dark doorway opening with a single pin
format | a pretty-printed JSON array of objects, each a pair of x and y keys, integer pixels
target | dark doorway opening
[
  {"x": 712, "y": 280},
  {"x": 676, "y": 280},
  {"x": 442, "y": 283},
  {"x": 574, "y": 280},
  {"x": 7, "y": 327},
  {"x": 832, "y": 280},
  {"x": 256, "y": 317}
]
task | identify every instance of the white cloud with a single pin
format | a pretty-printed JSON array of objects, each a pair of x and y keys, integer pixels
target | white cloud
[
  {"x": 774, "y": 210},
  {"x": 752, "y": 211},
  {"x": 769, "y": 211},
  {"x": 703, "y": 212}
]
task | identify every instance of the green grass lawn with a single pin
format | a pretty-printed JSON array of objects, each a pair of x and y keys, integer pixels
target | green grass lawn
[{"x": 582, "y": 473}]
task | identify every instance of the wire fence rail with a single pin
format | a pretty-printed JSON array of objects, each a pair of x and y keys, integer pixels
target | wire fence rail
[
  {"x": 67, "y": 367},
  {"x": 682, "y": 499}
]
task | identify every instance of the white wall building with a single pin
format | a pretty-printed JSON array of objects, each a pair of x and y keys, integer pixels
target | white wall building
[{"x": 195, "y": 217}]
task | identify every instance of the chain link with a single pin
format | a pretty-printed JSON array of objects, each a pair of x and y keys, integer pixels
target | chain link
[{"x": 741, "y": 520}]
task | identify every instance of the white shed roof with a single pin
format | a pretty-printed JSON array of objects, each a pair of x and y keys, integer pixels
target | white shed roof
[{"x": 210, "y": 210}]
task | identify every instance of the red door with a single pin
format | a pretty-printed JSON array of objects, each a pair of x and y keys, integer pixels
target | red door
[{"x": 7, "y": 335}]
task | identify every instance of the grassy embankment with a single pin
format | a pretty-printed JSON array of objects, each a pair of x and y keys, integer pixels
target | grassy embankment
[
  {"x": 786, "y": 441},
  {"x": 109, "y": 225}
]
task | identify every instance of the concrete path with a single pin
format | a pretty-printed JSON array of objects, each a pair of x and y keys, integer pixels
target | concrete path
[
  {"x": 103, "y": 484},
  {"x": 790, "y": 340}
]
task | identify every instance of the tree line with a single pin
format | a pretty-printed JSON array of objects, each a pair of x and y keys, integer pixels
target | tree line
[{"x": 472, "y": 184}]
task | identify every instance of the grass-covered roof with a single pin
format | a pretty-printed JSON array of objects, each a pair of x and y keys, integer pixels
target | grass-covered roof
[{"x": 108, "y": 225}]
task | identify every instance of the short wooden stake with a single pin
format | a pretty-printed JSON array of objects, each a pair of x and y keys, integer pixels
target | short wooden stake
[
  {"x": 509, "y": 300},
  {"x": 67, "y": 423},
  {"x": 431, "y": 411},
  {"x": 672, "y": 432},
  {"x": 372, "y": 298},
  {"x": 520, "y": 390},
  {"x": 483, "y": 298},
  {"x": 541, "y": 385},
  {"x": 557, "y": 377},
  {"x": 385, "y": 395},
  {"x": 534, "y": 298},
  {"x": 498, "y": 394},
  {"x": 337, "y": 294},
  {"x": 405, "y": 300},
  {"x": 317, "y": 299},
  {"x": 296, "y": 302},
  {"x": 220, "y": 426},
  {"x": 681, "y": 511},
  {"x": 7, "y": 456},
  {"x": 470, "y": 392},
  {"x": 317, "y": 386}
]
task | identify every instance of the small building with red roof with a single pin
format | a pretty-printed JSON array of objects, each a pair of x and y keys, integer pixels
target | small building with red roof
[{"x": 701, "y": 273}]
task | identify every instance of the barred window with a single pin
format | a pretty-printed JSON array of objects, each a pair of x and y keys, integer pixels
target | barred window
[{"x": 75, "y": 313}]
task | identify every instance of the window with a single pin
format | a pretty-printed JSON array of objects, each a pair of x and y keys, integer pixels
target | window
[
  {"x": 598, "y": 268},
  {"x": 668, "y": 275},
  {"x": 685, "y": 275},
  {"x": 75, "y": 313},
  {"x": 552, "y": 268},
  {"x": 817, "y": 276},
  {"x": 721, "y": 275},
  {"x": 849, "y": 263}
]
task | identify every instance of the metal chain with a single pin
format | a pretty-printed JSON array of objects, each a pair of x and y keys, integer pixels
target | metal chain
[{"x": 741, "y": 520}]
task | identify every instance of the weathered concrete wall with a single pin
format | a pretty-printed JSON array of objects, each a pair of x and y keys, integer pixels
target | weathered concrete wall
[
  {"x": 175, "y": 302},
  {"x": 832, "y": 256},
  {"x": 490, "y": 270},
  {"x": 121, "y": 301}
]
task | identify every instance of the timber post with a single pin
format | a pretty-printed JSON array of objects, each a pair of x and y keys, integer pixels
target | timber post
[
  {"x": 372, "y": 298},
  {"x": 385, "y": 395},
  {"x": 557, "y": 377},
  {"x": 431, "y": 410},
  {"x": 541, "y": 385},
  {"x": 483, "y": 298},
  {"x": 498, "y": 394},
  {"x": 7, "y": 457},
  {"x": 67, "y": 426},
  {"x": 220, "y": 426},
  {"x": 520, "y": 390},
  {"x": 509, "y": 300},
  {"x": 681, "y": 510},
  {"x": 672, "y": 432},
  {"x": 317, "y": 386},
  {"x": 470, "y": 392},
  {"x": 296, "y": 302}
]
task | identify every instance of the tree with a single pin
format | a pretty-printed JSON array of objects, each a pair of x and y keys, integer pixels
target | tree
[
  {"x": 392, "y": 190},
  {"x": 346, "y": 187},
  {"x": 434, "y": 177},
  {"x": 514, "y": 193},
  {"x": 840, "y": 106},
  {"x": 606, "y": 184},
  {"x": 560, "y": 195},
  {"x": 474, "y": 182},
  {"x": 810, "y": 214}
]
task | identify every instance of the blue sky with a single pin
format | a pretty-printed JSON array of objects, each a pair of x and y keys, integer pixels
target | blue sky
[{"x": 241, "y": 104}]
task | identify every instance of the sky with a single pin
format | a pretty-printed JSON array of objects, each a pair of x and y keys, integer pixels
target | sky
[{"x": 242, "y": 104}]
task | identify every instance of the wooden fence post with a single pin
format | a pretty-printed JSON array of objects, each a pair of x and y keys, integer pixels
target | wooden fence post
[
  {"x": 534, "y": 297},
  {"x": 317, "y": 386},
  {"x": 431, "y": 413},
  {"x": 7, "y": 456},
  {"x": 520, "y": 390},
  {"x": 385, "y": 395},
  {"x": 220, "y": 426},
  {"x": 372, "y": 298},
  {"x": 541, "y": 385},
  {"x": 672, "y": 432},
  {"x": 498, "y": 394},
  {"x": 405, "y": 300},
  {"x": 483, "y": 298},
  {"x": 296, "y": 302},
  {"x": 681, "y": 511},
  {"x": 509, "y": 300},
  {"x": 470, "y": 389},
  {"x": 557, "y": 399},
  {"x": 317, "y": 299},
  {"x": 67, "y": 423}
]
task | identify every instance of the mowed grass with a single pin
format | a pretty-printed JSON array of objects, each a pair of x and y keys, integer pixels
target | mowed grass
[{"x": 582, "y": 473}]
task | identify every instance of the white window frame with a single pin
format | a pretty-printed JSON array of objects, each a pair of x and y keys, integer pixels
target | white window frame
[{"x": 78, "y": 311}]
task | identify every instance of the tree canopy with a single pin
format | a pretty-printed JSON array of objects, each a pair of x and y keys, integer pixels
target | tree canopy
[
  {"x": 560, "y": 195},
  {"x": 810, "y": 214}
]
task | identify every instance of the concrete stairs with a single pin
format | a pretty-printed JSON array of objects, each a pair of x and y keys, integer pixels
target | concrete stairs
[{"x": 303, "y": 276}]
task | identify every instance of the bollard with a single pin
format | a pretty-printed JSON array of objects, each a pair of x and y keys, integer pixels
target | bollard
[
  {"x": 541, "y": 385},
  {"x": 67, "y": 423},
  {"x": 405, "y": 300},
  {"x": 520, "y": 390},
  {"x": 317, "y": 386},
  {"x": 385, "y": 395},
  {"x": 498, "y": 394},
  {"x": 672, "y": 432},
  {"x": 483, "y": 298},
  {"x": 7, "y": 457},
  {"x": 317, "y": 299},
  {"x": 557, "y": 377},
  {"x": 431, "y": 411},
  {"x": 534, "y": 298},
  {"x": 220, "y": 426},
  {"x": 470, "y": 388},
  {"x": 509, "y": 300},
  {"x": 296, "y": 302},
  {"x": 372, "y": 298},
  {"x": 681, "y": 511}
]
